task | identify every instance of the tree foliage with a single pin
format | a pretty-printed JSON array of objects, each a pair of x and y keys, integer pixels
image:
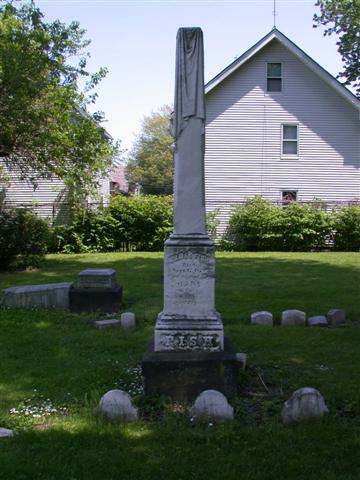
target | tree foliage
[
  {"x": 342, "y": 17},
  {"x": 150, "y": 162},
  {"x": 45, "y": 128}
]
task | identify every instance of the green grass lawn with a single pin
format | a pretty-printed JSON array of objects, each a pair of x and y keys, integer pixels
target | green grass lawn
[{"x": 54, "y": 367}]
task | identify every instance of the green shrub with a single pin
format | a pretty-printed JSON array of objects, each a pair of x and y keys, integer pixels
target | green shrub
[
  {"x": 212, "y": 223},
  {"x": 128, "y": 223},
  {"x": 255, "y": 226},
  {"x": 304, "y": 227},
  {"x": 261, "y": 225},
  {"x": 24, "y": 239},
  {"x": 90, "y": 231},
  {"x": 347, "y": 229},
  {"x": 141, "y": 223}
]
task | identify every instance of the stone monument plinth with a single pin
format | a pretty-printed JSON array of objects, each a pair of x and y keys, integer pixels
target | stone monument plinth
[
  {"x": 189, "y": 353},
  {"x": 96, "y": 289}
]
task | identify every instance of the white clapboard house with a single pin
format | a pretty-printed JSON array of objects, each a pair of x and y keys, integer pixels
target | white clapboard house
[
  {"x": 279, "y": 126},
  {"x": 48, "y": 197}
]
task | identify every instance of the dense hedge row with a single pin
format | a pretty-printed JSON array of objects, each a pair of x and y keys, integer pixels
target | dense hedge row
[
  {"x": 261, "y": 225},
  {"x": 144, "y": 223},
  {"x": 128, "y": 223}
]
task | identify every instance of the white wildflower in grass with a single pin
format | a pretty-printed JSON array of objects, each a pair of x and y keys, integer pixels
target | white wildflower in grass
[
  {"x": 38, "y": 407},
  {"x": 131, "y": 381}
]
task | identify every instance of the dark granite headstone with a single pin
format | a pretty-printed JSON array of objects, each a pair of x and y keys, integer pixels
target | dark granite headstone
[{"x": 96, "y": 289}]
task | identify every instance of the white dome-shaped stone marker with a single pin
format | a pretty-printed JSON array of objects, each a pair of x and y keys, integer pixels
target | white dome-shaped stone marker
[
  {"x": 336, "y": 316},
  {"x": 294, "y": 318},
  {"x": 213, "y": 404},
  {"x": 262, "y": 318},
  {"x": 127, "y": 320},
  {"x": 6, "y": 433},
  {"x": 116, "y": 405},
  {"x": 303, "y": 404},
  {"x": 318, "y": 321}
]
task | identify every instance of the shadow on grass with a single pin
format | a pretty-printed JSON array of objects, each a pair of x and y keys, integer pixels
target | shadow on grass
[{"x": 176, "y": 450}]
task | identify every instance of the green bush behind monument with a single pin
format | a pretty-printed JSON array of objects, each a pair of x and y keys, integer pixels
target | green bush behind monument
[
  {"x": 143, "y": 223},
  {"x": 260, "y": 225}
]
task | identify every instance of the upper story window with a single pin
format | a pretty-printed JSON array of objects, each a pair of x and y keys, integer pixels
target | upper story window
[
  {"x": 274, "y": 77},
  {"x": 289, "y": 140}
]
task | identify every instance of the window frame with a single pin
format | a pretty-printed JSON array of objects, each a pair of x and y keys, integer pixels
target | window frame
[
  {"x": 289, "y": 155},
  {"x": 267, "y": 77}
]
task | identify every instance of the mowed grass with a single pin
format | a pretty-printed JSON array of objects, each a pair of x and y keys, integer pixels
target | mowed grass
[{"x": 58, "y": 361}]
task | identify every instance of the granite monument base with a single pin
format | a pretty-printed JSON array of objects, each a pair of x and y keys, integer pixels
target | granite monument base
[
  {"x": 92, "y": 299},
  {"x": 182, "y": 376}
]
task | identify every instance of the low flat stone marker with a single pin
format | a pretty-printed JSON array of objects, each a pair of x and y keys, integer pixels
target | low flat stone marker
[
  {"x": 116, "y": 405},
  {"x": 317, "y": 321},
  {"x": 336, "y": 316},
  {"x": 293, "y": 318},
  {"x": 96, "y": 289},
  {"x": 6, "y": 433},
  {"x": 303, "y": 404},
  {"x": 212, "y": 404},
  {"x": 50, "y": 295},
  {"x": 127, "y": 320},
  {"x": 103, "y": 324},
  {"x": 262, "y": 318},
  {"x": 97, "y": 278},
  {"x": 241, "y": 358}
]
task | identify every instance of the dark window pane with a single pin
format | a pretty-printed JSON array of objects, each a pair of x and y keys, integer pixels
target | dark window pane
[
  {"x": 290, "y": 132},
  {"x": 274, "y": 69},
  {"x": 289, "y": 196},
  {"x": 274, "y": 84},
  {"x": 290, "y": 148}
]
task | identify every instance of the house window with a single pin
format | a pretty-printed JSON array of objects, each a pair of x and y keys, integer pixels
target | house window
[
  {"x": 288, "y": 196},
  {"x": 274, "y": 77},
  {"x": 289, "y": 140}
]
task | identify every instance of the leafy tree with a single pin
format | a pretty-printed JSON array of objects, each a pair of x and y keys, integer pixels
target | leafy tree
[
  {"x": 342, "y": 17},
  {"x": 45, "y": 128},
  {"x": 150, "y": 161}
]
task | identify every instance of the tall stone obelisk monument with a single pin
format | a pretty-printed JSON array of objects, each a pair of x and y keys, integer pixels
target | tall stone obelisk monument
[
  {"x": 189, "y": 320},
  {"x": 189, "y": 332}
]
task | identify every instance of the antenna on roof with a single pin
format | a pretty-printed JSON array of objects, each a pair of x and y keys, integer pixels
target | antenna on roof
[{"x": 274, "y": 13}]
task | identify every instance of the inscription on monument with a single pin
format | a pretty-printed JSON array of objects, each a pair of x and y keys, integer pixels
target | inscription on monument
[
  {"x": 190, "y": 275},
  {"x": 190, "y": 341}
]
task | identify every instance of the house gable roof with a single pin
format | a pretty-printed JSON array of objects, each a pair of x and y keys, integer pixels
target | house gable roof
[{"x": 300, "y": 54}]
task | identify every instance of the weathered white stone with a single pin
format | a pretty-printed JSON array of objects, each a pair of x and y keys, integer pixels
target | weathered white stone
[
  {"x": 116, "y": 405},
  {"x": 50, "y": 295},
  {"x": 304, "y": 403},
  {"x": 189, "y": 320},
  {"x": 103, "y": 324},
  {"x": 262, "y": 318},
  {"x": 6, "y": 433},
  {"x": 212, "y": 404},
  {"x": 127, "y": 320},
  {"x": 336, "y": 316},
  {"x": 241, "y": 358},
  {"x": 293, "y": 318},
  {"x": 97, "y": 278},
  {"x": 317, "y": 321}
]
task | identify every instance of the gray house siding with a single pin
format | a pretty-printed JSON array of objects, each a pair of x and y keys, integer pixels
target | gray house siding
[
  {"x": 49, "y": 199},
  {"x": 243, "y": 136}
]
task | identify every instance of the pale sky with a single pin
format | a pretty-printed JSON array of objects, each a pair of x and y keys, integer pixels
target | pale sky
[{"x": 135, "y": 40}]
